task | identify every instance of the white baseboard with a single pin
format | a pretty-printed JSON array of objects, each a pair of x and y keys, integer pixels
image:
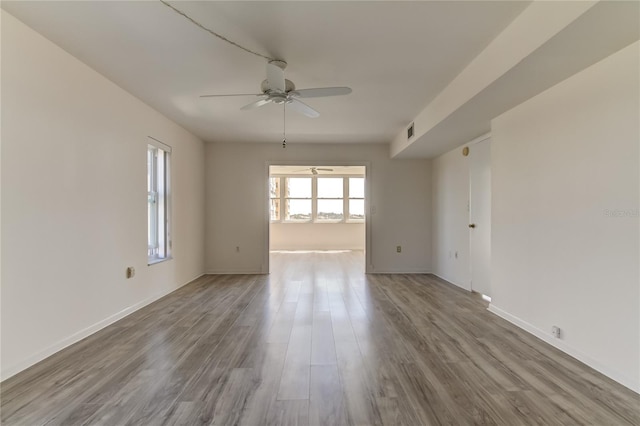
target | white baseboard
[
  {"x": 468, "y": 288},
  {"x": 400, "y": 271},
  {"x": 629, "y": 382},
  {"x": 234, "y": 272},
  {"x": 76, "y": 337},
  {"x": 319, "y": 248}
]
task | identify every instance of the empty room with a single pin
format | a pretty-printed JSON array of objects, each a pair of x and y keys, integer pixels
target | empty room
[{"x": 356, "y": 213}]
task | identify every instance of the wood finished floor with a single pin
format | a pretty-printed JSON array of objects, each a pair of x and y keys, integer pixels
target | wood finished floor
[{"x": 317, "y": 342}]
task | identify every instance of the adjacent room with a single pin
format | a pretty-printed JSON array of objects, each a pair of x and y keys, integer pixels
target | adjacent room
[
  {"x": 315, "y": 209},
  {"x": 355, "y": 212}
]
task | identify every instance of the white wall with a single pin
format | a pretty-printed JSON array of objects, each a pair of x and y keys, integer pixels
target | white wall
[
  {"x": 450, "y": 220},
  {"x": 560, "y": 162},
  {"x": 74, "y": 200},
  {"x": 236, "y": 203},
  {"x": 317, "y": 236}
]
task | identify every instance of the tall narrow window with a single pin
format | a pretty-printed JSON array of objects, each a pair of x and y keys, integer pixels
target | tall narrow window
[{"x": 158, "y": 240}]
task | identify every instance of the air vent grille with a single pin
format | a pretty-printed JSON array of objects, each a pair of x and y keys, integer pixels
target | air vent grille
[{"x": 410, "y": 131}]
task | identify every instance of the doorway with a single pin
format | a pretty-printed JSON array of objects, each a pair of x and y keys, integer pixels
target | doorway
[{"x": 317, "y": 208}]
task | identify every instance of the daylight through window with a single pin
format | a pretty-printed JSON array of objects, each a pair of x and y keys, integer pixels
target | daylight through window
[
  {"x": 321, "y": 199},
  {"x": 356, "y": 198},
  {"x": 158, "y": 241},
  {"x": 298, "y": 199}
]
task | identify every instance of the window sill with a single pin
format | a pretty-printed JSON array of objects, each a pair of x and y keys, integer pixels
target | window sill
[
  {"x": 320, "y": 222},
  {"x": 158, "y": 260}
]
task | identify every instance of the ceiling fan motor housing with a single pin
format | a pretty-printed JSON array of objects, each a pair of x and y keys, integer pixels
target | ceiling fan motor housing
[{"x": 288, "y": 86}]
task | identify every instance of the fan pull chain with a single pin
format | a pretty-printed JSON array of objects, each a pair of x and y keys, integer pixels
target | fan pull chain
[{"x": 284, "y": 125}]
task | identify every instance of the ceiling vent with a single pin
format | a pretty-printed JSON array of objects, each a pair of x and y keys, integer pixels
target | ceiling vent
[{"x": 410, "y": 132}]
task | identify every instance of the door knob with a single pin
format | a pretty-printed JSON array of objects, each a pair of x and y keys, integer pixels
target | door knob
[{"x": 472, "y": 225}]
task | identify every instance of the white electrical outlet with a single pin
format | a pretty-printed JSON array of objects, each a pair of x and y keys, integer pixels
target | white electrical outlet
[{"x": 555, "y": 330}]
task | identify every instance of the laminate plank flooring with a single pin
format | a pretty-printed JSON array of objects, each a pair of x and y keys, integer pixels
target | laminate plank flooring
[{"x": 316, "y": 342}]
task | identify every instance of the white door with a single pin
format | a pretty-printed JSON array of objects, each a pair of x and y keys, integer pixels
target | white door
[{"x": 480, "y": 216}]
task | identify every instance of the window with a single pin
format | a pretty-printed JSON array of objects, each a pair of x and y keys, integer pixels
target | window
[
  {"x": 298, "y": 199},
  {"x": 330, "y": 200},
  {"x": 274, "y": 198},
  {"x": 158, "y": 240},
  {"x": 356, "y": 198},
  {"x": 321, "y": 199}
]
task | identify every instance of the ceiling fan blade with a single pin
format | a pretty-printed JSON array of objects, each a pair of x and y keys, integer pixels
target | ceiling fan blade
[
  {"x": 275, "y": 77},
  {"x": 256, "y": 104},
  {"x": 324, "y": 170},
  {"x": 303, "y": 108},
  {"x": 321, "y": 92},
  {"x": 242, "y": 94}
]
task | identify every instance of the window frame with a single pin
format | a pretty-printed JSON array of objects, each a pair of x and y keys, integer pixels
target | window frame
[
  {"x": 279, "y": 198},
  {"x": 283, "y": 199},
  {"x": 314, "y": 199},
  {"x": 348, "y": 198},
  {"x": 318, "y": 198},
  {"x": 159, "y": 248}
]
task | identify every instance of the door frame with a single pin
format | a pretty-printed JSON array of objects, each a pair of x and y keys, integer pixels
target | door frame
[
  {"x": 266, "y": 267},
  {"x": 470, "y": 144}
]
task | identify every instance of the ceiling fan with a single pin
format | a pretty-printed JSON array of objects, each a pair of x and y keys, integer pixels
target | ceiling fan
[
  {"x": 276, "y": 89},
  {"x": 314, "y": 170}
]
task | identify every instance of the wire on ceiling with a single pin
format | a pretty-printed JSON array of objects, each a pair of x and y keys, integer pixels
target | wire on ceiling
[{"x": 221, "y": 37}]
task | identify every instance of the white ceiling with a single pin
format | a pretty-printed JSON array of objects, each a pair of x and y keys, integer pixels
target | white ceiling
[{"x": 396, "y": 56}]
